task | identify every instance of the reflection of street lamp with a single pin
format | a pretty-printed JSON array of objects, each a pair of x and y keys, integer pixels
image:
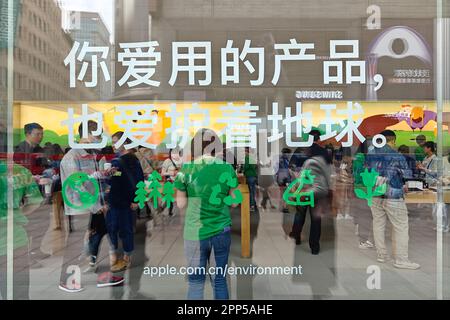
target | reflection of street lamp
[{"x": 133, "y": 23}]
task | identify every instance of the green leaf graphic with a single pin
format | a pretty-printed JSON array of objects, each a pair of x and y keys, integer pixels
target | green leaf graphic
[{"x": 369, "y": 181}]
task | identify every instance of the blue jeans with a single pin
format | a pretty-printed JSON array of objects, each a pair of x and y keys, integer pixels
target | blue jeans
[
  {"x": 119, "y": 222},
  {"x": 198, "y": 255},
  {"x": 251, "y": 181}
]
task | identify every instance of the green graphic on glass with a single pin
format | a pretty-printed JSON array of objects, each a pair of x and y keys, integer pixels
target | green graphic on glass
[
  {"x": 78, "y": 182},
  {"x": 151, "y": 190},
  {"x": 228, "y": 200},
  {"x": 294, "y": 190},
  {"x": 169, "y": 191},
  {"x": 155, "y": 185},
  {"x": 369, "y": 181},
  {"x": 141, "y": 194},
  {"x": 213, "y": 199}
]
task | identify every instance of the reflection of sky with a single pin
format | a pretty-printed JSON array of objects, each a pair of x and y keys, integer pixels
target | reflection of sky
[{"x": 104, "y": 7}]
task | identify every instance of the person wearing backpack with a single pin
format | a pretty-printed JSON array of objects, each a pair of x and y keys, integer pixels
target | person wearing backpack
[{"x": 318, "y": 163}]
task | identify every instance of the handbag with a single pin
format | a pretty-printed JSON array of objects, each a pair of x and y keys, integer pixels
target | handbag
[{"x": 97, "y": 224}]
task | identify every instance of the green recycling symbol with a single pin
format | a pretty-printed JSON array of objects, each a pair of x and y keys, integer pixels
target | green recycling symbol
[
  {"x": 228, "y": 200},
  {"x": 77, "y": 182},
  {"x": 294, "y": 190}
]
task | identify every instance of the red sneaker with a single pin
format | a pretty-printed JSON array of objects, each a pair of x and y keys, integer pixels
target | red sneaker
[{"x": 107, "y": 279}]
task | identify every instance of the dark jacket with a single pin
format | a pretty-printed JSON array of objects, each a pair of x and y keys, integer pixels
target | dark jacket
[
  {"x": 391, "y": 165},
  {"x": 123, "y": 183},
  {"x": 30, "y": 157}
]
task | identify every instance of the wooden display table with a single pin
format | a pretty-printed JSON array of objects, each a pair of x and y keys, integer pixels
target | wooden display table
[
  {"x": 245, "y": 219},
  {"x": 426, "y": 196}
]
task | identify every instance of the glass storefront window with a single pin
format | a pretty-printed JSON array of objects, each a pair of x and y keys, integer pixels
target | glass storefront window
[{"x": 288, "y": 149}]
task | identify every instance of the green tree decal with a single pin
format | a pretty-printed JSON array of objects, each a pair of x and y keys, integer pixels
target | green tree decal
[
  {"x": 369, "y": 181},
  {"x": 141, "y": 194},
  {"x": 168, "y": 191},
  {"x": 155, "y": 185}
]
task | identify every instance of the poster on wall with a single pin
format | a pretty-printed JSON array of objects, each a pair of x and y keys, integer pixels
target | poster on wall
[{"x": 402, "y": 52}]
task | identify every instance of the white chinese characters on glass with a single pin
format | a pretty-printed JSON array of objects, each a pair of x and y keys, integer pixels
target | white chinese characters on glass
[
  {"x": 88, "y": 53},
  {"x": 141, "y": 64},
  {"x": 275, "y": 119},
  {"x": 240, "y": 123},
  {"x": 350, "y": 77},
  {"x": 195, "y": 59},
  {"x": 191, "y": 57},
  {"x": 289, "y": 56},
  {"x": 300, "y": 126},
  {"x": 137, "y": 122},
  {"x": 328, "y": 121},
  {"x": 349, "y": 127},
  {"x": 233, "y": 64},
  {"x": 84, "y": 119},
  {"x": 181, "y": 125}
]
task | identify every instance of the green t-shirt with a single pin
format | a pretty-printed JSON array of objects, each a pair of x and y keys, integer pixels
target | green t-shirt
[
  {"x": 420, "y": 154},
  {"x": 198, "y": 179},
  {"x": 250, "y": 167},
  {"x": 25, "y": 192},
  {"x": 358, "y": 167}
]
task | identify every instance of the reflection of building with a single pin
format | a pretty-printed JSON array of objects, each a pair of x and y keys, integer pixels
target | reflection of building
[
  {"x": 89, "y": 27},
  {"x": 132, "y": 24},
  {"x": 40, "y": 48},
  {"x": 266, "y": 23}
]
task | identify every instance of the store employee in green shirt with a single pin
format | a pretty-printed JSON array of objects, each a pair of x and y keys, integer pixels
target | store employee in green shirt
[
  {"x": 26, "y": 198},
  {"x": 207, "y": 218},
  {"x": 420, "y": 152}
]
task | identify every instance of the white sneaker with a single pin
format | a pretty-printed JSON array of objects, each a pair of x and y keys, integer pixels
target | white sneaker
[
  {"x": 348, "y": 217},
  {"x": 340, "y": 216},
  {"x": 406, "y": 264},
  {"x": 382, "y": 258},
  {"x": 441, "y": 229},
  {"x": 76, "y": 288},
  {"x": 366, "y": 245}
]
